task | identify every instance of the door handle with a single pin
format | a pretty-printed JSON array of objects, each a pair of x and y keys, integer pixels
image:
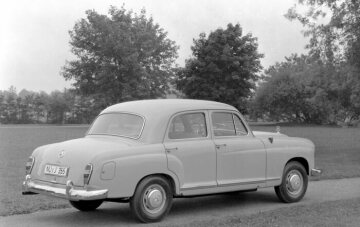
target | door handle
[
  {"x": 271, "y": 139},
  {"x": 168, "y": 150},
  {"x": 218, "y": 146}
]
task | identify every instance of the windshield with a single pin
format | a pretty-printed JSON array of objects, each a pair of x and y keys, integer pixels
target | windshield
[{"x": 118, "y": 124}]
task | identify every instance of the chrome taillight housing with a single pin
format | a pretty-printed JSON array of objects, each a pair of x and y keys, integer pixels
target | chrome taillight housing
[
  {"x": 29, "y": 165},
  {"x": 87, "y": 173}
]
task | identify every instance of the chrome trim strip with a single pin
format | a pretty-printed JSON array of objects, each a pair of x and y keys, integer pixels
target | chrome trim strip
[
  {"x": 69, "y": 192},
  {"x": 242, "y": 183},
  {"x": 229, "y": 184},
  {"x": 198, "y": 187},
  {"x": 273, "y": 179}
]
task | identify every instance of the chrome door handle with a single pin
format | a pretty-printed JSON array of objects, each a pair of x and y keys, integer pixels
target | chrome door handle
[
  {"x": 218, "y": 146},
  {"x": 168, "y": 150},
  {"x": 271, "y": 139}
]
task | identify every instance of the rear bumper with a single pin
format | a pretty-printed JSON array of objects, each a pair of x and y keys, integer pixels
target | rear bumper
[
  {"x": 315, "y": 172},
  {"x": 69, "y": 192}
]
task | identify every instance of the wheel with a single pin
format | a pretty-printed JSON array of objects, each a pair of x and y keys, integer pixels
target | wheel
[
  {"x": 294, "y": 183},
  {"x": 84, "y": 205},
  {"x": 152, "y": 199}
]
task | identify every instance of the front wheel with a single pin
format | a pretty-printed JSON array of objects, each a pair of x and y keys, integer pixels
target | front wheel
[
  {"x": 294, "y": 183},
  {"x": 152, "y": 199},
  {"x": 86, "y": 205}
]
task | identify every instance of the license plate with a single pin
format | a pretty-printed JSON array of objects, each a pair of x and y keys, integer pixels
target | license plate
[{"x": 56, "y": 170}]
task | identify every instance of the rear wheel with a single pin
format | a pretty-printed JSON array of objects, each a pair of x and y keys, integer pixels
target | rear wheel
[
  {"x": 152, "y": 199},
  {"x": 294, "y": 183},
  {"x": 86, "y": 205}
]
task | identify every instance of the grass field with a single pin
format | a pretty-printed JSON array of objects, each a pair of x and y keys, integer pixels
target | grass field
[{"x": 337, "y": 153}]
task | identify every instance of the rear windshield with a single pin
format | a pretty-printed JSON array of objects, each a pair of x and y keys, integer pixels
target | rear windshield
[{"x": 118, "y": 124}]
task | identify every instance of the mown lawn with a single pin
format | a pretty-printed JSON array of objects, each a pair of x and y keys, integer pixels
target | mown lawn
[
  {"x": 16, "y": 145},
  {"x": 337, "y": 153}
]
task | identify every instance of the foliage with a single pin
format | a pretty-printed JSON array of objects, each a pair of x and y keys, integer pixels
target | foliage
[
  {"x": 120, "y": 57},
  {"x": 304, "y": 89},
  {"x": 224, "y": 67},
  {"x": 338, "y": 39},
  {"x": 324, "y": 86},
  {"x": 40, "y": 107}
]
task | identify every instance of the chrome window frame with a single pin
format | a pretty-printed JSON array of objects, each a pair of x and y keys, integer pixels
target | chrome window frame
[
  {"x": 232, "y": 113},
  {"x": 207, "y": 122}
]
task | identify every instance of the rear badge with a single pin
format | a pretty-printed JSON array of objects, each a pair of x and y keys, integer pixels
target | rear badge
[{"x": 61, "y": 154}]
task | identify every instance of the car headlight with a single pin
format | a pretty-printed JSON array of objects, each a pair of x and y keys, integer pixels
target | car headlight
[
  {"x": 87, "y": 173},
  {"x": 29, "y": 165}
]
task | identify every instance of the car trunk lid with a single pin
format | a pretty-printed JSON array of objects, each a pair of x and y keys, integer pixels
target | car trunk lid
[{"x": 74, "y": 155}]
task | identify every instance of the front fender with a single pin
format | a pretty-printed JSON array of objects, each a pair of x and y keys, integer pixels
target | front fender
[{"x": 282, "y": 150}]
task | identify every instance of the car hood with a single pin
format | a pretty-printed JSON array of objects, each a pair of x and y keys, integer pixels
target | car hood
[{"x": 75, "y": 155}]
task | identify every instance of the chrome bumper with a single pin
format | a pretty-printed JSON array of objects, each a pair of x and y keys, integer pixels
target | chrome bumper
[
  {"x": 69, "y": 192},
  {"x": 315, "y": 172}
]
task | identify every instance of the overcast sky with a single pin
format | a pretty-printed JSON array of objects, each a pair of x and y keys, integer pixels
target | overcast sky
[{"x": 34, "y": 39}]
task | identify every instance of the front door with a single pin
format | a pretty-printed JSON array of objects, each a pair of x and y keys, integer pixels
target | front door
[
  {"x": 190, "y": 151},
  {"x": 241, "y": 157}
]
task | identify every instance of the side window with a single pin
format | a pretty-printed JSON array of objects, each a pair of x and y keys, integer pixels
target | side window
[
  {"x": 239, "y": 126},
  {"x": 223, "y": 124},
  {"x": 189, "y": 125}
]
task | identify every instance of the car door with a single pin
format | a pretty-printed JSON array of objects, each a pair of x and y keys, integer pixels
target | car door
[
  {"x": 190, "y": 151},
  {"x": 241, "y": 157}
]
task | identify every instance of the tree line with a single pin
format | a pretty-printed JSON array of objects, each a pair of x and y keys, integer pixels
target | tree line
[
  {"x": 124, "y": 56},
  {"x": 58, "y": 107}
]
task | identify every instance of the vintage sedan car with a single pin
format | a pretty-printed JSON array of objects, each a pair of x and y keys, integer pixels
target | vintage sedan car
[{"x": 148, "y": 152}]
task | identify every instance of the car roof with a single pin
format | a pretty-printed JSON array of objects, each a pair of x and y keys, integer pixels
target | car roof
[
  {"x": 157, "y": 113},
  {"x": 169, "y": 106}
]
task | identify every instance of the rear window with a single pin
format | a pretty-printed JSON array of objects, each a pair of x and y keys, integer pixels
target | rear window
[{"x": 118, "y": 124}]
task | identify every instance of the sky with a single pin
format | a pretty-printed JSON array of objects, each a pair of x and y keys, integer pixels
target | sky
[{"x": 34, "y": 35}]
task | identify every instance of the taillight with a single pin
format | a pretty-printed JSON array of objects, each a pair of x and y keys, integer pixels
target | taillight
[
  {"x": 87, "y": 173},
  {"x": 29, "y": 165}
]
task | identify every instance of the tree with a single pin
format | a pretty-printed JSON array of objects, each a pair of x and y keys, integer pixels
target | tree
[
  {"x": 41, "y": 101},
  {"x": 293, "y": 90},
  {"x": 120, "y": 57},
  {"x": 305, "y": 89},
  {"x": 337, "y": 44},
  {"x": 57, "y": 107},
  {"x": 11, "y": 108},
  {"x": 224, "y": 67},
  {"x": 335, "y": 40}
]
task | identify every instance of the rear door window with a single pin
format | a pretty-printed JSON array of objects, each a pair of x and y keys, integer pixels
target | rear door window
[{"x": 188, "y": 125}]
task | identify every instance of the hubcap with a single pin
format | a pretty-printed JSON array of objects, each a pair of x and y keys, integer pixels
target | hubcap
[
  {"x": 154, "y": 199},
  {"x": 294, "y": 182}
]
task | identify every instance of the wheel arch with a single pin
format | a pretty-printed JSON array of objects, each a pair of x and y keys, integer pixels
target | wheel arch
[
  {"x": 302, "y": 161},
  {"x": 170, "y": 179}
]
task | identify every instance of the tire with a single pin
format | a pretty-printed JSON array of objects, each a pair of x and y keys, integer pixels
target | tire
[
  {"x": 152, "y": 199},
  {"x": 293, "y": 184},
  {"x": 84, "y": 205}
]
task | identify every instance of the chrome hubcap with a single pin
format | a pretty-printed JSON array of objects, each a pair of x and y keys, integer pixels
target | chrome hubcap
[
  {"x": 294, "y": 182},
  {"x": 154, "y": 199}
]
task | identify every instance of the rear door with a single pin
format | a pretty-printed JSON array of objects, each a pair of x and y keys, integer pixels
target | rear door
[{"x": 190, "y": 150}]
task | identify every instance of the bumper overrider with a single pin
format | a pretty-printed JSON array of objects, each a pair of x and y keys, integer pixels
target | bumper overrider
[
  {"x": 69, "y": 192},
  {"x": 315, "y": 172}
]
